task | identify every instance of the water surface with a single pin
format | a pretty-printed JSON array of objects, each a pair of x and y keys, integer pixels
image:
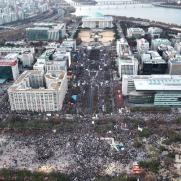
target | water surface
[{"x": 166, "y": 15}]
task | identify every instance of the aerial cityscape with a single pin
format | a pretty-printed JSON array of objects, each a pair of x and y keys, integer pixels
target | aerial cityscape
[{"x": 90, "y": 90}]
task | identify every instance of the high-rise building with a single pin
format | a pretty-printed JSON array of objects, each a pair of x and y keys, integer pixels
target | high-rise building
[
  {"x": 127, "y": 66},
  {"x": 167, "y": 52},
  {"x": 155, "y": 43},
  {"x": 174, "y": 65},
  {"x": 158, "y": 90},
  {"x": 9, "y": 69},
  {"x": 23, "y": 54},
  {"x": 46, "y": 32},
  {"x": 38, "y": 91},
  {"x": 155, "y": 32},
  {"x": 178, "y": 47},
  {"x": 122, "y": 48},
  {"x": 142, "y": 45},
  {"x": 135, "y": 32},
  {"x": 152, "y": 63}
]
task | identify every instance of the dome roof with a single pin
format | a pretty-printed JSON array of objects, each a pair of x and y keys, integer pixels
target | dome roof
[{"x": 96, "y": 15}]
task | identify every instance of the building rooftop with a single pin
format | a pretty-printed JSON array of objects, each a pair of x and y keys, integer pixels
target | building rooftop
[
  {"x": 52, "y": 81},
  {"x": 127, "y": 60},
  {"x": 159, "y": 83},
  {"x": 161, "y": 41},
  {"x": 46, "y": 26},
  {"x": 142, "y": 41},
  {"x": 136, "y": 30},
  {"x": 152, "y": 57},
  {"x": 97, "y": 15},
  {"x": 11, "y": 56}
]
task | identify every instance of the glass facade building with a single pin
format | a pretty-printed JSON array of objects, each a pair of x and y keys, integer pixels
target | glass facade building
[{"x": 6, "y": 73}]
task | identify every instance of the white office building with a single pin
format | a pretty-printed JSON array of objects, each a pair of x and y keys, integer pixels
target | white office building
[
  {"x": 69, "y": 44},
  {"x": 158, "y": 90},
  {"x": 168, "y": 52},
  {"x": 155, "y": 32},
  {"x": 135, "y": 32},
  {"x": 122, "y": 48},
  {"x": 23, "y": 54},
  {"x": 174, "y": 65},
  {"x": 155, "y": 43},
  {"x": 142, "y": 45},
  {"x": 178, "y": 47},
  {"x": 36, "y": 91},
  {"x": 59, "y": 60},
  {"x": 127, "y": 66}
]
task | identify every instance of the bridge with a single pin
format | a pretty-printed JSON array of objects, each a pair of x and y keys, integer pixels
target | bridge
[
  {"x": 117, "y": 2},
  {"x": 105, "y": 2},
  {"x": 73, "y": 3}
]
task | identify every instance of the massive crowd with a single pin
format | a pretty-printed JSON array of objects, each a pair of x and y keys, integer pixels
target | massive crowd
[{"x": 81, "y": 152}]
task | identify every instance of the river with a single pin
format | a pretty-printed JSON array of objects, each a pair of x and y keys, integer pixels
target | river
[{"x": 144, "y": 11}]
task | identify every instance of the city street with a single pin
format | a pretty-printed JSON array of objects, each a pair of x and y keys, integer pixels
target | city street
[{"x": 93, "y": 81}]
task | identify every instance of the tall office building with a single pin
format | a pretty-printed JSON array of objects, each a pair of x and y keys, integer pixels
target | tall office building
[
  {"x": 142, "y": 45},
  {"x": 155, "y": 32},
  {"x": 152, "y": 63},
  {"x": 127, "y": 66},
  {"x": 46, "y": 32},
  {"x": 174, "y": 65},
  {"x": 155, "y": 43},
  {"x": 9, "y": 69},
  {"x": 135, "y": 32},
  {"x": 38, "y": 91},
  {"x": 158, "y": 90},
  {"x": 122, "y": 48}
]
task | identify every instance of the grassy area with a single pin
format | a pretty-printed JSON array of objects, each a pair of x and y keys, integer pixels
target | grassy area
[
  {"x": 137, "y": 143},
  {"x": 25, "y": 175},
  {"x": 116, "y": 178},
  {"x": 15, "y": 122},
  {"x": 20, "y": 175},
  {"x": 145, "y": 133},
  {"x": 150, "y": 109},
  {"x": 173, "y": 136},
  {"x": 151, "y": 165},
  {"x": 103, "y": 128},
  {"x": 178, "y": 120}
]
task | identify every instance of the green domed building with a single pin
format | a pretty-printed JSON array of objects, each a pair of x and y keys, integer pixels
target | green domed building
[{"x": 97, "y": 20}]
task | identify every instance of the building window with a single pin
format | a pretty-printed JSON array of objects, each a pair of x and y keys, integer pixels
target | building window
[{"x": 179, "y": 99}]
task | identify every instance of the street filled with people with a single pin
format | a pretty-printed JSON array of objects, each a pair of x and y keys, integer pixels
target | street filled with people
[{"x": 95, "y": 134}]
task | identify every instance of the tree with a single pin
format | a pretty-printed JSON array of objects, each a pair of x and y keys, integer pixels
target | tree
[
  {"x": 150, "y": 177},
  {"x": 151, "y": 165}
]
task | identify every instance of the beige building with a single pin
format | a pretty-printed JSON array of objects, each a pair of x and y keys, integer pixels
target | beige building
[{"x": 36, "y": 91}]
